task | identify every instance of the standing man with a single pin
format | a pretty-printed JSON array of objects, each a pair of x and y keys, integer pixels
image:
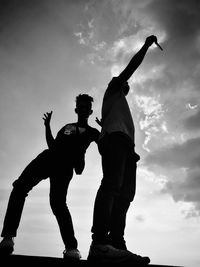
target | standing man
[
  {"x": 119, "y": 160},
  {"x": 65, "y": 154}
]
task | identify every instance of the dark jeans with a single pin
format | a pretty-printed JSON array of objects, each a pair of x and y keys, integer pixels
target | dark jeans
[
  {"x": 60, "y": 175},
  {"x": 117, "y": 190}
]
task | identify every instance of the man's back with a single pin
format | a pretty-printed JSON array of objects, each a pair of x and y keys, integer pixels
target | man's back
[{"x": 116, "y": 115}]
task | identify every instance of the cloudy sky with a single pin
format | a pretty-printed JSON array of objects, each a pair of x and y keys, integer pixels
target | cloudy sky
[{"x": 50, "y": 52}]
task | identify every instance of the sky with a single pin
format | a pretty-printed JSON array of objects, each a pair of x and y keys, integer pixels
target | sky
[{"x": 50, "y": 52}]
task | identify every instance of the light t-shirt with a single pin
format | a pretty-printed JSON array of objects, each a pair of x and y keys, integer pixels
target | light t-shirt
[{"x": 116, "y": 115}]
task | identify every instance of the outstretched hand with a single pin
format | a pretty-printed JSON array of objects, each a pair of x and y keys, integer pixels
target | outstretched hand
[
  {"x": 47, "y": 118},
  {"x": 98, "y": 121},
  {"x": 151, "y": 39}
]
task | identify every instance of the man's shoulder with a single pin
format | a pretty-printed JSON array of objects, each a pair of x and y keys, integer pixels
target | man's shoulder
[
  {"x": 69, "y": 127},
  {"x": 92, "y": 129},
  {"x": 114, "y": 85}
]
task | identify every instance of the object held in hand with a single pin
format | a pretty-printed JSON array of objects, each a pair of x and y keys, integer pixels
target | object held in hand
[{"x": 158, "y": 45}]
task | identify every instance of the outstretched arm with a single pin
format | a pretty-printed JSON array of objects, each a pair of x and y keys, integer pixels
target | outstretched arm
[
  {"x": 137, "y": 59},
  {"x": 49, "y": 136}
]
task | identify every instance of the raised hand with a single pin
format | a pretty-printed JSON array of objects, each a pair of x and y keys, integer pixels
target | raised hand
[
  {"x": 150, "y": 40},
  {"x": 47, "y": 118}
]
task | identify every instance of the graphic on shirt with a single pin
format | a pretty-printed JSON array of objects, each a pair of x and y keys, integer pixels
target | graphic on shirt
[
  {"x": 81, "y": 130},
  {"x": 70, "y": 129}
]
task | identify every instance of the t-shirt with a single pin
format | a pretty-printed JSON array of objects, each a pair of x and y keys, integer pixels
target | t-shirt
[
  {"x": 71, "y": 144},
  {"x": 116, "y": 115}
]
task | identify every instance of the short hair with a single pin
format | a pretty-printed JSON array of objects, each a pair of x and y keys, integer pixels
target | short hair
[{"x": 85, "y": 98}]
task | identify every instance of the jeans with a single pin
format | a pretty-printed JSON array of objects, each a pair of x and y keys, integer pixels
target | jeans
[
  {"x": 117, "y": 190},
  {"x": 40, "y": 168}
]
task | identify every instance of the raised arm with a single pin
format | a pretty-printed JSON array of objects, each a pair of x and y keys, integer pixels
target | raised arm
[
  {"x": 48, "y": 133},
  {"x": 137, "y": 59}
]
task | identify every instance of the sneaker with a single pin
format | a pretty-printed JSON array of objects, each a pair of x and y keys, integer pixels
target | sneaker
[
  {"x": 7, "y": 246},
  {"x": 120, "y": 244},
  {"x": 72, "y": 254},
  {"x": 110, "y": 254}
]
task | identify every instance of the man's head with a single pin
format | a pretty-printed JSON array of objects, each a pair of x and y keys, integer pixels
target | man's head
[
  {"x": 84, "y": 106},
  {"x": 125, "y": 88}
]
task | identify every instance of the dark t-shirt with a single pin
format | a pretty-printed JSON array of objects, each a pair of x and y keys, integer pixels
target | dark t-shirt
[{"x": 71, "y": 144}]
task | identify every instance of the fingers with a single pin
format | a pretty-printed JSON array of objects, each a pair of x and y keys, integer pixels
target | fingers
[
  {"x": 47, "y": 116},
  {"x": 151, "y": 39}
]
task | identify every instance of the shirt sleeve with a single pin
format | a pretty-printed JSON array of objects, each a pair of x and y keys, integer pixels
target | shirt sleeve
[{"x": 114, "y": 86}]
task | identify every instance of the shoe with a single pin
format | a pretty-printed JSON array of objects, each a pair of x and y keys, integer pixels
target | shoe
[
  {"x": 7, "y": 246},
  {"x": 120, "y": 244},
  {"x": 110, "y": 254},
  {"x": 72, "y": 254}
]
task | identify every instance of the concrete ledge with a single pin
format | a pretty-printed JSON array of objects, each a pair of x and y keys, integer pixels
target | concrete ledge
[{"x": 19, "y": 260}]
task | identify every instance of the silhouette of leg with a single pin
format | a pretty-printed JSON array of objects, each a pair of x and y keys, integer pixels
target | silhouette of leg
[
  {"x": 118, "y": 223},
  {"x": 113, "y": 164},
  {"x": 35, "y": 171},
  {"x": 59, "y": 183},
  {"x": 122, "y": 203}
]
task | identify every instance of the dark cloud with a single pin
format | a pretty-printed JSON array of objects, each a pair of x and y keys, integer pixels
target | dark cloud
[
  {"x": 186, "y": 189},
  {"x": 193, "y": 122},
  {"x": 185, "y": 157},
  {"x": 179, "y": 18}
]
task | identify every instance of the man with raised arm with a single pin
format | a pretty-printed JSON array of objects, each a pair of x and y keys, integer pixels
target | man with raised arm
[
  {"x": 119, "y": 160},
  {"x": 65, "y": 154}
]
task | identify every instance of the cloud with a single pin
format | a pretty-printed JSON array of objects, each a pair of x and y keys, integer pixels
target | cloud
[
  {"x": 186, "y": 190},
  {"x": 193, "y": 122},
  {"x": 183, "y": 155},
  {"x": 181, "y": 163}
]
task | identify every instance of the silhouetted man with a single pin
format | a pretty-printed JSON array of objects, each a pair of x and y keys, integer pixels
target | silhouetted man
[
  {"x": 65, "y": 154},
  {"x": 117, "y": 189}
]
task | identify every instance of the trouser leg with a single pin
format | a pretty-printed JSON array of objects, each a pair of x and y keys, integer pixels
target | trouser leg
[
  {"x": 31, "y": 176},
  {"x": 113, "y": 164},
  {"x": 58, "y": 191},
  {"x": 118, "y": 223},
  {"x": 122, "y": 204}
]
